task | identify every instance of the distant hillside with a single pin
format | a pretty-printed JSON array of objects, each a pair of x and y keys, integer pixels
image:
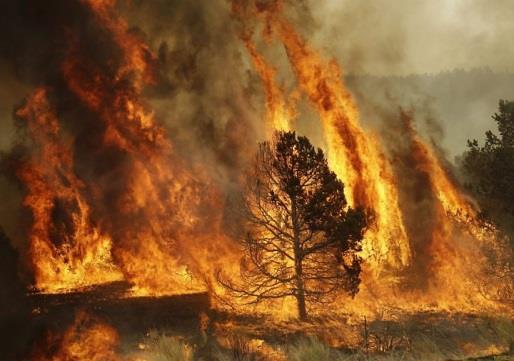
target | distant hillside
[{"x": 462, "y": 102}]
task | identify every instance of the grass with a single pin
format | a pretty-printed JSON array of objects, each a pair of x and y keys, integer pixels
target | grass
[
  {"x": 308, "y": 349},
  {"x": 312, "y": 349},
  {"x": 423, "y": 337},
  {"x": 238, "y": 349},
  {"x": 165, "y": 348}
]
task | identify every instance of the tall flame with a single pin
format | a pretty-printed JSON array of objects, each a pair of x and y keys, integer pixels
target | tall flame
[
  {"x": 144, "y": 215},
  {"x": 158, "y": 224},
  {"x": 149, "y": 204},
  {"x": 356, "y": 155},
  {"x": 353, "y": 154},
  {"x": 279, "y": 113},
  {"x": 71, "y": 251},
  {"x": 457, "y": 237}
]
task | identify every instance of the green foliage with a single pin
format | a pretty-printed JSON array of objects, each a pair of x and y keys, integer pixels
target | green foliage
[{"x": 490, "y": 170}]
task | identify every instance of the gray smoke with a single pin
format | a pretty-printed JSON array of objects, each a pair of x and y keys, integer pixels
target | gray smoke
[{"x": 211, "y": 100}]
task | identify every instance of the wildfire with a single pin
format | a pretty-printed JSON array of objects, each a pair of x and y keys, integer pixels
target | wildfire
[
  {"x": 147, "y": 202},
  {"x": 356, "y": 155},
  {"x": 457, "y": 237},
  {"x": 279, "y": 113},
  {"x": 353, "y": 154},
  {"x": 87, "y": 339},
  {"x": 144, "y": 215},
  {"x": 72, "y": 252}
]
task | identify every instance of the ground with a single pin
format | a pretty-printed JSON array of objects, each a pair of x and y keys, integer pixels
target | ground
[
  {"x": 185, "y": 328},
  {"x": 423, "y": 336}
]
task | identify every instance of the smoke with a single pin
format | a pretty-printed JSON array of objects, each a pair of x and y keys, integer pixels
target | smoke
[
  {"x": 204, "y": 93},
  {"x": 412, "y": 37},
  {"x": 207, "y": 95},
  {"x": 407, "y": 50}
]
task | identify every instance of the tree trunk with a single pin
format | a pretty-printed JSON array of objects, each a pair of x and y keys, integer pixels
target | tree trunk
[
  {"x": 298, "y": 258},
  {"x": 300, "y": 299}
]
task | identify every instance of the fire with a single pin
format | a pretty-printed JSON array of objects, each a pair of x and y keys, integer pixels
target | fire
[
  {"x": 457, "y": 237},
  {"x": 149, "y": 207},
  {"x": 71, "y": 252},
  {"x": 157, "y": 224},
  {"x": 143, "y": 214},
  {"x": 357, "y": 157},
  {"x": 445, "y": 189},
  {"x": 279, "y": 113},
  {"x": 353, "y": 154},
  {"x": 87, "y": 339}
]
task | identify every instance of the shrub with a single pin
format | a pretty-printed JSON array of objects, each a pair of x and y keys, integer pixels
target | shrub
[
  {"x": 310, "y": 349},
  {"x": 166, "y": 348}
]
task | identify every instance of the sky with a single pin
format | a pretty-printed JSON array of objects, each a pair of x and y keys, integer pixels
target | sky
[
  {"x": 199, "y": 102},
  {"x": 378, "y": 37},
  {"x": 385, "y": 37}
]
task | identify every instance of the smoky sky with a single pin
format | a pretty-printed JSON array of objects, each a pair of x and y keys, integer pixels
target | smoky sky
[
  {"x": 197, "y": 43},
  {"x": 448, "y": 59},
  {"x": 403, "y": 37},
  {"x": 203, "y": 93},
  {"x": 211, "y": 100}
]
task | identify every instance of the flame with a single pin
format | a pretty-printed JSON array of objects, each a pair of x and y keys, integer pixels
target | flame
[
  {"x": 87, "y": 339},
  {"x": 458, "y": 239},
  {"x": 353, "y": 154},
  {"x": 279, "y": 114},
  {"x": 456, "y": 260},
  {"x": 152, "y": 213},
  {"x": 156, "y": 221},
  {"x": 81, "y": 254},
  {"x": 159, "y": 233},
  {"x": 445, "y": 189}
]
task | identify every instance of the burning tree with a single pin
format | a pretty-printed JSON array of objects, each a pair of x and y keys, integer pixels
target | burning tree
[{"x": 301, "y": 238}]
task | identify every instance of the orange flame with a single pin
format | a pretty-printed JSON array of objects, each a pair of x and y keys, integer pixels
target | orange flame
[
  {"x": 81, "y": 255},
  {"x": 161, "y": 221},
  {"x": 159, "y": 228},
  {"x": 458, "y": 258},
  {"x": 279, "y": 113},
  {"x": 159, "y": 235},
  {"x": 87, "y": 339},
  {"x": 357, "y": 158},
  {"x": 353, "y": 154}
]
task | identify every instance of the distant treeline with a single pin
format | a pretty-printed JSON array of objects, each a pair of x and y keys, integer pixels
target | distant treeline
[{"x": 460, "y": 101}]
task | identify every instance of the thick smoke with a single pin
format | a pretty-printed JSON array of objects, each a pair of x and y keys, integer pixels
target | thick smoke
[
  {"x": 211, "y": 101},
  {"x": 416, "y": 37},
  {"x": 205, "y": 93},
  {"x": 409, "y": 49}
]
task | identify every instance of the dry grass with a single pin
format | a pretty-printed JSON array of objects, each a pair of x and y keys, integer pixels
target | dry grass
[
  {"x": 430, "y": 337},
  {"x": 160, "y": 347}
]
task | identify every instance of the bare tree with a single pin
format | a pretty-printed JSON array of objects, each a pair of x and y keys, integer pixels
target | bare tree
[{"x": 300, "y": 238}]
